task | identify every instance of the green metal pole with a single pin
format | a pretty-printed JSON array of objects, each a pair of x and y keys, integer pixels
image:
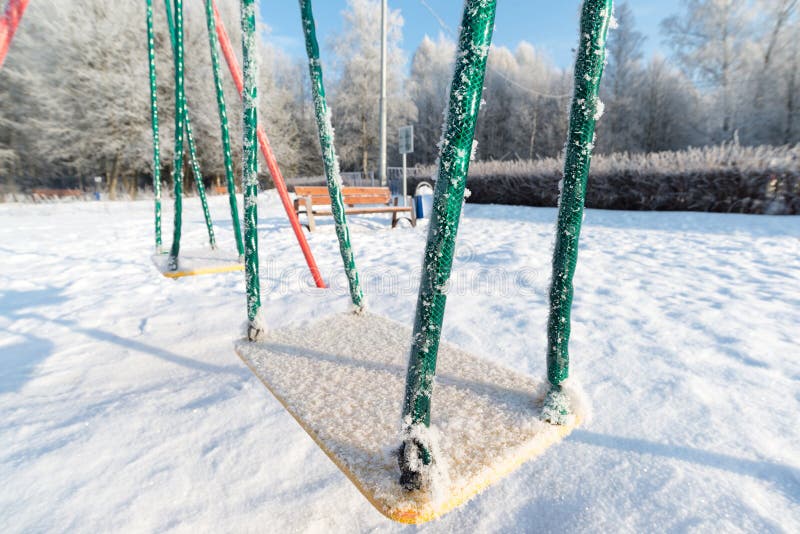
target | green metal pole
[
  {"x": 177, "y": 170},
  {"x": 456, "y": 149},
  {"x": 331, "y": 162},
  {"x": 151, "y": 50},
  {"x": 198, "y": 177},
  {"x": 223, "y": 121},
  {"x": 250, "y": 166},
  {"x": 595, "y": 18}
]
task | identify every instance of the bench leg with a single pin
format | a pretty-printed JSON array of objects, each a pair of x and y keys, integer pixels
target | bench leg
[
  {"x": 413, "y": 212},
  {"x": 312, "y": 225}
]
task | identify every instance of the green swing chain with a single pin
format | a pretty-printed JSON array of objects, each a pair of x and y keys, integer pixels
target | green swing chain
[
  {"x": 332, "y": 174},
  {"x": 198, "y": 177},
  {"x": 151, "y": 52},
  {"x": 177, "y": 170},
  {"x": 250, "y": 164},
  {"x": 595, "y": 18},
  {"x": 223, "y": 121},
  {"x": 455, "y": 153}
]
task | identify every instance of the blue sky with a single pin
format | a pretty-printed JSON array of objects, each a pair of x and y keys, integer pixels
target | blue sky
[{"x": 548, "y": 25}]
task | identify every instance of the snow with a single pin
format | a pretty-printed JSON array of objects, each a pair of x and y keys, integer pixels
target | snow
[{"x": 124, "y": 407}]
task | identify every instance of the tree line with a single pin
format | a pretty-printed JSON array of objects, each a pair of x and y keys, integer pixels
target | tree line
[{"x": 74, "y": 93}]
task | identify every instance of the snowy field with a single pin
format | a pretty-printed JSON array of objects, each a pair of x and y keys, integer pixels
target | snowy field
[{"x": 124, "y": 408}]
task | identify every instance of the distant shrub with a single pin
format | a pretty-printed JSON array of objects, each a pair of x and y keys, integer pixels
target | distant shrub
[{"x": 724, "y": 178}]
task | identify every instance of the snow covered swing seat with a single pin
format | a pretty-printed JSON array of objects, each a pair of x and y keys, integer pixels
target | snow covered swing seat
[
  {"x": 198, "y": 262},
  {"x": 342, "y": 378}
]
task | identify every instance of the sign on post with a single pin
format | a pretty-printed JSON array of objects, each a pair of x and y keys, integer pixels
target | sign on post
[{"x": 405, "y": 137}]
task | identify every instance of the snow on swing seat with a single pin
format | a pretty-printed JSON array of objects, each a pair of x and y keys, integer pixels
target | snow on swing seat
[
  {"x": 200, "y": 261},
  {"x": 343, "y": 377}
]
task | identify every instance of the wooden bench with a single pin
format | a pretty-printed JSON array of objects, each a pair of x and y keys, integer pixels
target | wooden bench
[
  {"x": 315, "y": 201},
  {"x": 44, "y": 193}
]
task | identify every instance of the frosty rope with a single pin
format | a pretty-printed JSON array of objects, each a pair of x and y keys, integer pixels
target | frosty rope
[
  {"x": 154, "y": 122},
  {"x": 454, "y": 157},
  {"x": 198, "y": 177},
  {"x": 225, "y": 132},
  {"x": 250, "y": 162},
  {"x": 595, "y": 18},
  {"x": 177, "y": 167},
  {"x": 332, "y": 176}
]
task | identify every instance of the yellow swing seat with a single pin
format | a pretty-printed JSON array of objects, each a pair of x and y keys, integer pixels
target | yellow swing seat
[
  {"x": 342, "y": 378},
  {"x": 198, "y": 262}
]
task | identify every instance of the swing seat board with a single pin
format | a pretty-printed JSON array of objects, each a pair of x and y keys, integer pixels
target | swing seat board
[
  {"x": 343, "y": 377},
  {"x": 197, "y": 262}
]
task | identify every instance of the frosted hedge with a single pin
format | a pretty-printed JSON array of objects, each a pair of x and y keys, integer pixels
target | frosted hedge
[{"x": 727, "y": 178}]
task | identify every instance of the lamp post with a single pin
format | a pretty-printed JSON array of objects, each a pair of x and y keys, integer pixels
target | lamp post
[{"x": 382, "y": 169}]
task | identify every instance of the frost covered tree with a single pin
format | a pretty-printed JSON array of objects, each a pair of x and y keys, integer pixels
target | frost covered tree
[
  {"x": 619, "y": 130},
  {"x": 356, "y": 91},
  {"x": 770, "y": 63},
  {"x": 707, "y": 40},
  {"x": 74, "y": 102},
  {"x": 524, "y": 109},
  {"x": 663, "y": 110},
  {"x": 431, "y": 71},
  {"x": 541, "y": 94},
  {"x": 86, "y": 110}
]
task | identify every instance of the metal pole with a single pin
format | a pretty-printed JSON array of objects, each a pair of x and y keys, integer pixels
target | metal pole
[
  {"x": 595, "y": 18},
  {"x": 382, "y": 169},
  {"x": 405, "y": 184},
  {"x": 456, "y": 147}
]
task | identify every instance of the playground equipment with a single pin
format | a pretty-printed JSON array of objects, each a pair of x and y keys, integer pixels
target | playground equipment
[
  {"x": 214, "y": 261},
  {"x": 266, "y": 151},
  {"x": 195, "y": 262},
  {"x": 9, "y": 23},
  {"x": 342, "y": 378}
]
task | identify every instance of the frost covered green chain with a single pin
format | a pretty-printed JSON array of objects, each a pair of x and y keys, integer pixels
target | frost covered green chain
[
  {"x": 223, "y": 121},
  {"x": 177, "y": 169},
  {"x": 586, "y": 108},
  {"x": 454, "y": 158},
  {"x": 250, "y": 164},
  {"x": 151, "y": 50},
  {"x": 332, "y": 175},
  {"x": 198, "y": 177}
]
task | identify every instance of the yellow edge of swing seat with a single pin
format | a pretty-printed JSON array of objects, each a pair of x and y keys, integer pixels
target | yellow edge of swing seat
[
  {"x": 207, "y": 270},
  {"x": 342, "y": 378},
  {"x": 195, "y": 263}
]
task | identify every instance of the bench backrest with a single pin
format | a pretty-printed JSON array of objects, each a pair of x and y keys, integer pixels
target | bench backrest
[
  {"x": 46, "y": 192},
  {"x": 352, "y": 195}
]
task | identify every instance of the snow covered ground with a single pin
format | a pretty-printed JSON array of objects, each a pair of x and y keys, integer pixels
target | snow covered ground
[{"x": 124, "y": 408}]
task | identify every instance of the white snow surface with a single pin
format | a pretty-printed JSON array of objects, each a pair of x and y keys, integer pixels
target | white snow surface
[{"x": 123, "y": 406}]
